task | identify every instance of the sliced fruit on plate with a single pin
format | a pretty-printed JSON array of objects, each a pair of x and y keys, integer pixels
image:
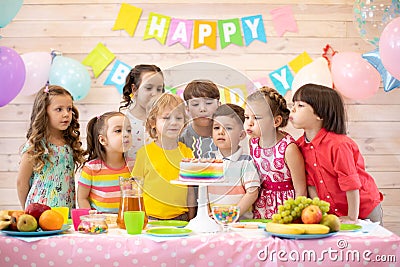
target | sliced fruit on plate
[
  {"x": 350, "y": 227},
  {"x": 248, "y": 225}
]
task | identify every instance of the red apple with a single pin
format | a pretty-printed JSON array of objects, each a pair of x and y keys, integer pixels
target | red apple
[
  {"x": 311, "y": 214},
  {"x": 14, "y": 219},
  {"x": 36, "y": 209}
]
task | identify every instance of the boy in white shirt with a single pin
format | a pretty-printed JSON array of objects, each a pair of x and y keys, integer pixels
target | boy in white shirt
[{"x": 241, "y": 180}]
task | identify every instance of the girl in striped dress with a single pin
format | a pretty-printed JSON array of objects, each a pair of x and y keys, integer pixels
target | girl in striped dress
[{"x": 108, "y": 137}]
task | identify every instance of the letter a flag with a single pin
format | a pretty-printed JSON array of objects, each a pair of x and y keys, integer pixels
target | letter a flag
[
  {"x": 128, "y": 18},
  {"x": 283, "y": 20},
  {"x": 180, "y": 31},
  {"x": 99, "y": 59}
]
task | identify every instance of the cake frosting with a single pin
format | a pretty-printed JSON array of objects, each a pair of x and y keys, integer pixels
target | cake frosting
[{"x": 201, "y": 170}]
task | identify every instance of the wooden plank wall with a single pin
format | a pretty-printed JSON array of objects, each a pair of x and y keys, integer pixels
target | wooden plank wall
[{"x": 74, "y": 27}]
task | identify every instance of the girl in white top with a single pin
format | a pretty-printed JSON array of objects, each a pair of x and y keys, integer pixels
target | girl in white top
[{"x": 142, "y": 83}]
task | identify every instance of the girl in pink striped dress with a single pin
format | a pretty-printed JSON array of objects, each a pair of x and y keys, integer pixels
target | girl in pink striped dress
[{"x": 277, "y": 157}]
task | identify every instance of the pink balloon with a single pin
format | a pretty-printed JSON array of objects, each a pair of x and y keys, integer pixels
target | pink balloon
[
  {"x": 37, "y": 67},
  {"x": 389, "y": 48},
  {"x": 12, "y": 75},
  {"x": 353, "y": 76}
]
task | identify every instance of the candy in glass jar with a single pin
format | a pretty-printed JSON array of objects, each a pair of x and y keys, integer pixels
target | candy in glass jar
[{"x": 93, "y": 223}]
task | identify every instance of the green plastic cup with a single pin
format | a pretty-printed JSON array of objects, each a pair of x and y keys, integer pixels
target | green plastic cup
[{"x": 134, "y": 221}]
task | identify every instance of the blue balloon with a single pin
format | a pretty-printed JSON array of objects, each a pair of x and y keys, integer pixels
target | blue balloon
[
  {"x": 389, "y": 82},
  {"x": 71, "y": 75},
  {"x": 8, "y": 10}
]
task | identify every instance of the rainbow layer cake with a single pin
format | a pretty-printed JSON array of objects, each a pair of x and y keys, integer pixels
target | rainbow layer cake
[{"x": 201, "y": 170}]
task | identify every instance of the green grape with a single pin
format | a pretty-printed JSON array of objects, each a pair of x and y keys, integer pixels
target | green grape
[
  {"x": 277, "y": 216},
  {"x": 280, "y": 208},
  {"x": 316, "y": 201},
  {"x": 289, "y": 201},
  {"x": 302, "y": 198},
  {"x": 291, "y": 209}
]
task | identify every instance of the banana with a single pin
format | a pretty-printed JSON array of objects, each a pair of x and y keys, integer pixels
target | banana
[
  {"x": 4, "y": 215},
  {"x": 278, "y": 228},
  {"x": 5, "y": 219},
  {"x": 313, "y": 229},
  {"x": 4, "y": 224}
]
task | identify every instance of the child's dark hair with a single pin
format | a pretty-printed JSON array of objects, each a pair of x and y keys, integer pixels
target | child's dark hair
[
  {"x": 37, "y": 131},
  {"x": 135, "y": 78},
  {"x": 327, "y": 104},
  {"x": 276, "y": 102},
  {"x": 230, "y": 110},
  {"x": 98, "y": 126},
  {"x": 201, "y": 88}
]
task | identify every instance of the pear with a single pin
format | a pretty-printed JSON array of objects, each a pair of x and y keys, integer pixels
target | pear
[
  {"x": 27, "y": 223},
  {"x": 332, "y": 221}
]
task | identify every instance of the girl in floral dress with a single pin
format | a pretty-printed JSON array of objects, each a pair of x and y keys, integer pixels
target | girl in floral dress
[
  {"x": 276, "y": 156},
  {"x": 52, "y": 152}
]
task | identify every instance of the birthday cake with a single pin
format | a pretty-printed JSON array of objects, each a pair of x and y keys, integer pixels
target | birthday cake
[{"x": 201, "y": 170}]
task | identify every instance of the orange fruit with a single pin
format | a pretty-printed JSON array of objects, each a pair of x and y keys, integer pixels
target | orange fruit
[{"x": 51, "y": 220}]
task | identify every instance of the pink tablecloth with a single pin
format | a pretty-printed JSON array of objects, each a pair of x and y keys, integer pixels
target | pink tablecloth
[{"x": 252, "y": 248}]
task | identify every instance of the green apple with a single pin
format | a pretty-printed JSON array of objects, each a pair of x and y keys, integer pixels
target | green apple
[{"x": 27, "y": 223}]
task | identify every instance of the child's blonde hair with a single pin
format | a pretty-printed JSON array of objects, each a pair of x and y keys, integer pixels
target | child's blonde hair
[
  {"x": 158, "y": 106},
  {"x": 37, "y": 132},
  {"x": 276, "y": 102}
]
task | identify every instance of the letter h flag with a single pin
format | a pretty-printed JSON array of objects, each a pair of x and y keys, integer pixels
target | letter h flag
[{"x": 157, "y": 27}]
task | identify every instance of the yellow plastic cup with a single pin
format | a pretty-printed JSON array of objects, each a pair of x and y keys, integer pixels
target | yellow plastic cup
[{"x": 64, "y": 211}]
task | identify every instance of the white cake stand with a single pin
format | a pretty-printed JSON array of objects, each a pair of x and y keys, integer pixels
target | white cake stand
[{"x": 202, "y": 223}]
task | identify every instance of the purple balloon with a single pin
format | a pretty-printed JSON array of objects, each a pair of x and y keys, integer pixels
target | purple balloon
[{"x": 12, "y": 75}]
